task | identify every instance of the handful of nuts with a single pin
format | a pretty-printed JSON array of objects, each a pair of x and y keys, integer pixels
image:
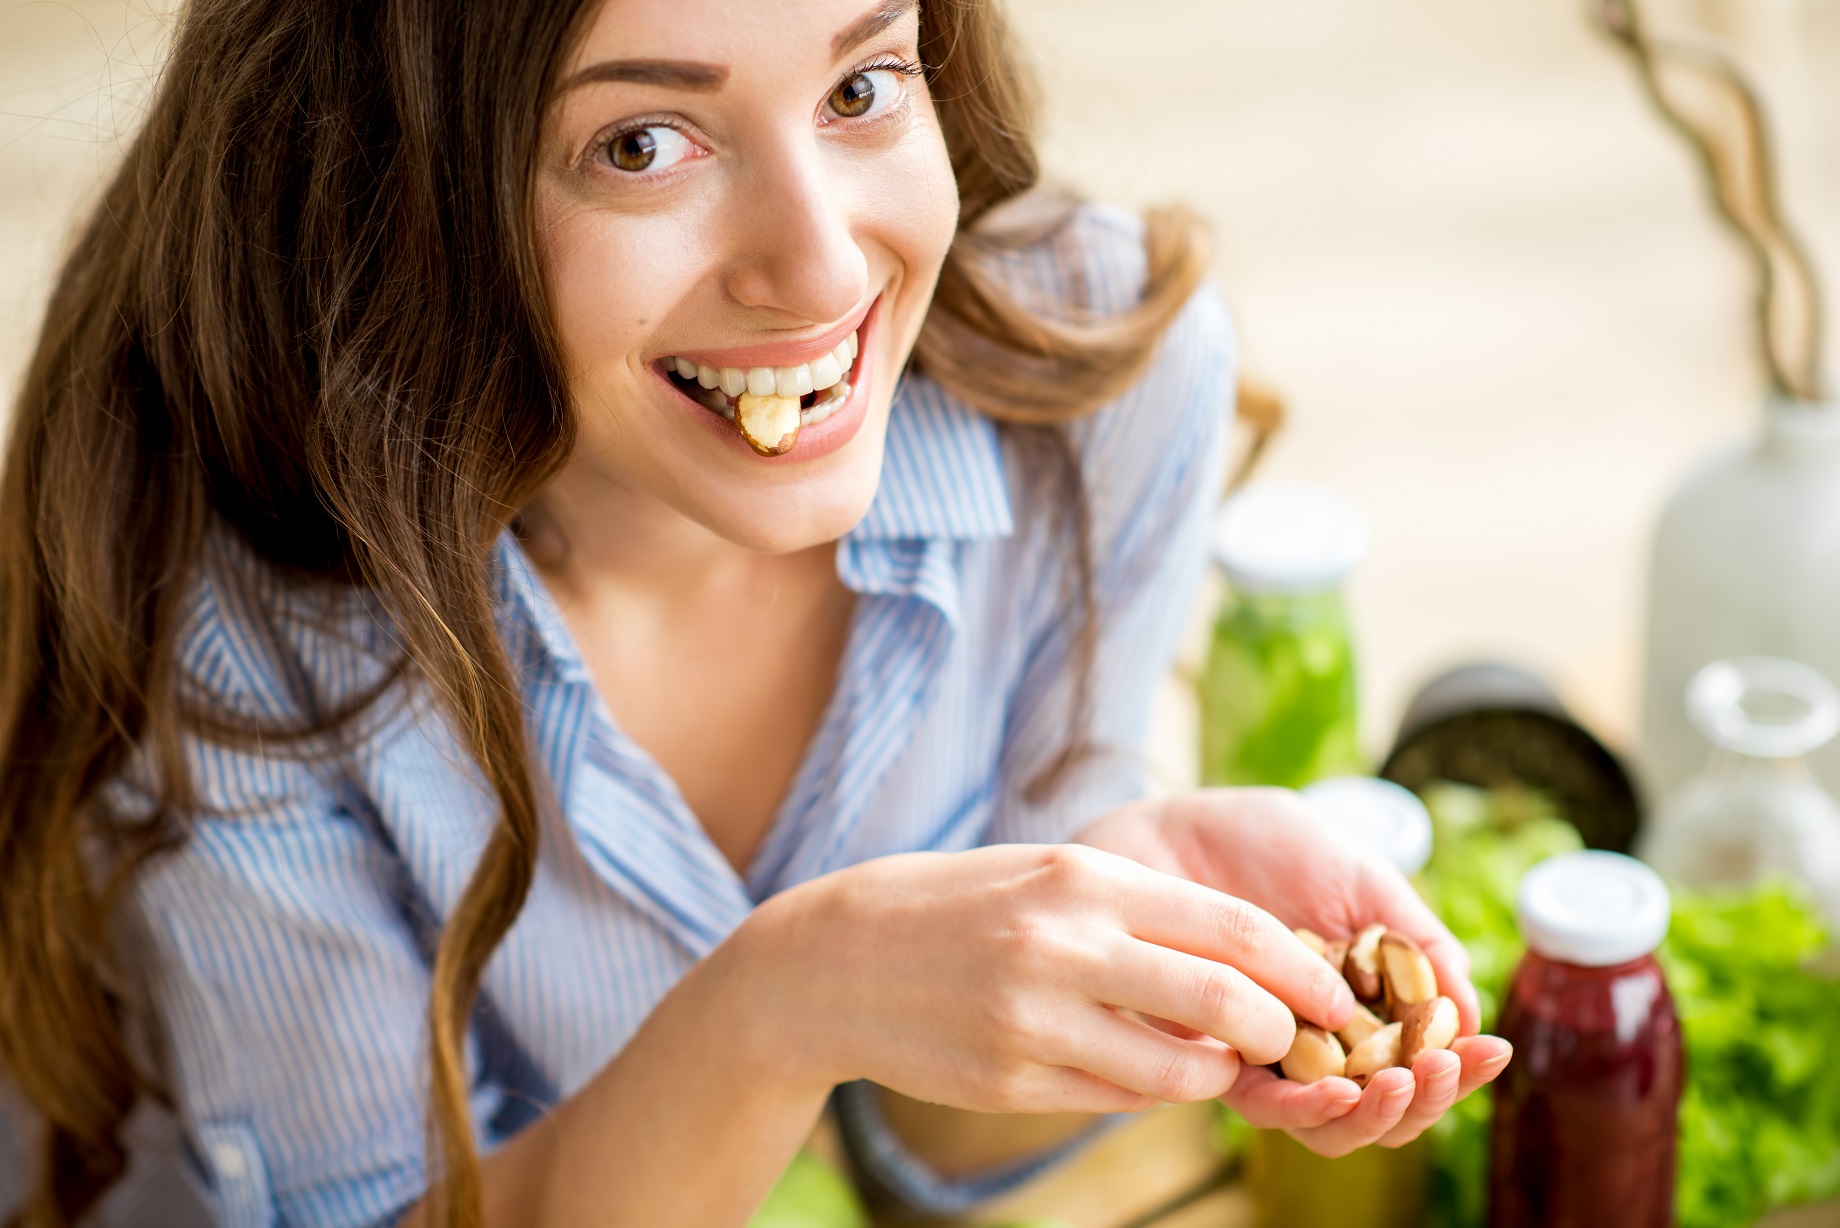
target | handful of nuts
[{"x": 1397, "y": 1016}]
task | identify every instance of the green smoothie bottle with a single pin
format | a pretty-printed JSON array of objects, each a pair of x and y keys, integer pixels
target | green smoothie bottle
[{"x": 1278, "y": 698}]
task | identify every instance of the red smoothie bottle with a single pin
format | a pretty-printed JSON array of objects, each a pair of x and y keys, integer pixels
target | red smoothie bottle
[{"x": 1585, "y": 1114}]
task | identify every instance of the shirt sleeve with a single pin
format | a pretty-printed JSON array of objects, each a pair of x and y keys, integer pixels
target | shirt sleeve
[
  {"x": 1153, "y": 464},
  {"x": 287, "y": 985}
]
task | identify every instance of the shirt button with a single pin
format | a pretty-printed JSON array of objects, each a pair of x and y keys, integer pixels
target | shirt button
[{"x": 228, "y": 1158}]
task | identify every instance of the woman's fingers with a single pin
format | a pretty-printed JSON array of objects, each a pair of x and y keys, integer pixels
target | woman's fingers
[
  {"x": 1186, "y": 917},
  {"x": 1181, "y": 1031},
  {"x": 1062, "y": 1089},
  {"x": 1141, "y": 1059},
  {"x": 1397, "y": 1106},
  {"x": 1435, "y": 1079},
  {"x": 1211, "y": 998},
  {"x": 1483, "y": 1058},
  {"x": 1271, "y": 1103},
  {"x": 1383, "y": 1104}
]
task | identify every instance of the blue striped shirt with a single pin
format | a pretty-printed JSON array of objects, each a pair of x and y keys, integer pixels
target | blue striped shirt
[{"x": 286, "y": 946}]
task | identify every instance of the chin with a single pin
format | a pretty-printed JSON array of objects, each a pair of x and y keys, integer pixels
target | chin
[{"x": 797, "y": 510}]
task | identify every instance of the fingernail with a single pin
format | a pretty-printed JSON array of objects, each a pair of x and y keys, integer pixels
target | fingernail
[{"x": 1397, "y": 1092}]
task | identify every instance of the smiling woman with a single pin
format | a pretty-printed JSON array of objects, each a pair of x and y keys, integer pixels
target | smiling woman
[{"x": 565, "y": 572}]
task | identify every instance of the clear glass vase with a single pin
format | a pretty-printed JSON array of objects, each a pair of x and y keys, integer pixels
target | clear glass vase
[
  {"x": 1746, "y": 562},
  {"x": 1754, "y": 811}
]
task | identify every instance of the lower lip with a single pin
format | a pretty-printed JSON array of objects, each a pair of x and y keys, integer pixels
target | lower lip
[{"x": 814, "y": 441}]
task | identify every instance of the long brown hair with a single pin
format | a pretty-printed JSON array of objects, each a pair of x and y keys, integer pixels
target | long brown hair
[{"x": 308, "y": 305}]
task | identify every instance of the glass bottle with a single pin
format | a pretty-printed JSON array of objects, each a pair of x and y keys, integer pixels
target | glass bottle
[
  {"x": 1755, "y": 811},
  {"x": 1375, "y": 1187},
  {"x": 1746, "y": 561},
  {"x": 1585, "y": 1114},
  {"x": 1278, "y": 699}
]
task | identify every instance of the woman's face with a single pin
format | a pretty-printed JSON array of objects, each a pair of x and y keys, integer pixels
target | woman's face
[{"x": 752, "y": 194}]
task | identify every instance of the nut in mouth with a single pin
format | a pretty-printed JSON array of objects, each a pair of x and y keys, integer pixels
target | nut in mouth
[{"x": 769, "y": 405}]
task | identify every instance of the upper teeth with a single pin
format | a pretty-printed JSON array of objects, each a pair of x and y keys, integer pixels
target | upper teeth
[{"x": 813, "y": 376}]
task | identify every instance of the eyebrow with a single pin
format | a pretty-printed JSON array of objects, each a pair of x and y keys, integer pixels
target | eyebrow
[
  {"x": 706, "y": 78},
  {"x": 871, "y": 25},
  {"x": 674, "y": 74}
]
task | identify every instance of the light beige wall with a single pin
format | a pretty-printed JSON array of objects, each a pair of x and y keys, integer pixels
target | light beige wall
[
  {"x": 1479, "y": 268},
  {"x": 73, "y": 77}
]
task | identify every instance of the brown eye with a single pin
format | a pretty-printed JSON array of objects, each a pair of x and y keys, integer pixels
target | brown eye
[
  {"x": 854, "y": 97},
  {"x": 654, "y": 148},
  {"x": 633, "y": 151}
]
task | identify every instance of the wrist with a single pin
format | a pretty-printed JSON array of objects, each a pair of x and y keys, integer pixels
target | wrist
[{"x": 769, "y": 978}]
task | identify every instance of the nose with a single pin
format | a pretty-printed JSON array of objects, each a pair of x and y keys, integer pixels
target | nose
[{"x": 798, "y": 256}]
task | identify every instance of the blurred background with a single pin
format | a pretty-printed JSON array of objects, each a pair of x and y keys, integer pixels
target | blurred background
[
  {"x": 1457, "y": 239},
  {"x": 1487, "y": 282}
]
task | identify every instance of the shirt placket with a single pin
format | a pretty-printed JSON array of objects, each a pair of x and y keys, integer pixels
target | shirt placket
[
  {"x": 906, "y": 622},
  {"x": 631, "y": 822}
]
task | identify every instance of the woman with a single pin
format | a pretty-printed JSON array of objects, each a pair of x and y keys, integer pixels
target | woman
[{"x": 500, "y": 661}]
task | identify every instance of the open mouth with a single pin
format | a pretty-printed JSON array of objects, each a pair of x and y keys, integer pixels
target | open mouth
[{"x": 769, "y": 405}]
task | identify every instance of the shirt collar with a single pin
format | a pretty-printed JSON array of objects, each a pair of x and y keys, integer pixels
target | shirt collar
[
  {"x": 529, "y": 621},
  {"x": 942, "y": 472}
]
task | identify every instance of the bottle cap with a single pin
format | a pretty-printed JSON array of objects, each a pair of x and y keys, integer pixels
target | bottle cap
[
  {"x": 1765, "y": 707},
  {"x": 1375, "y": 814},
  {"x": 1286, "y": 537},
  {"x": 1592, "y": 909}
]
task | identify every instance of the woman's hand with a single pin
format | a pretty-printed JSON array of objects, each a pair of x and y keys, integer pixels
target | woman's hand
[
  {"x": 1264, "y": 847},
  {"x": 1011, "y": 979}
]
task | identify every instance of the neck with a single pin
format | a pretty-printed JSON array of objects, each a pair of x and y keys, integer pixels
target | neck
[
  {"x": 586, "y": 529},
  {"x": 589, "y": 532}
]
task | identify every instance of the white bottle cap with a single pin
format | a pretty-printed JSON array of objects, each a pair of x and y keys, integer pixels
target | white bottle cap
[
  {"x": 1592, "y": 909},
  {"x": 1285, "y": 537},
  {"x": 1765, "y": 707},
  {"x": 1376, "y": 814}
]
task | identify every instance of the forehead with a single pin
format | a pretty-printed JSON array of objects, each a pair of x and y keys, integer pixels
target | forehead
[{"x": 735, "y": 33}]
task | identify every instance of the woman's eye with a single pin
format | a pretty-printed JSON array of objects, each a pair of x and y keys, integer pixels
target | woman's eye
[
  {"x": 866, "y": 93},
  {"x": 652, "y": 148}
]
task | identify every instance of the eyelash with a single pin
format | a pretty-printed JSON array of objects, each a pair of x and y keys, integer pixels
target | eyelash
[{"x": 890, "y": 63}]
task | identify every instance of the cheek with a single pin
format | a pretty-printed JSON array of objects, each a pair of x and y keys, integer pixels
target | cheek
[
  {"x": 936, "y": 205},
  {"x": 909, "y": 201},
  {"x": 610, "y": 279}
]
